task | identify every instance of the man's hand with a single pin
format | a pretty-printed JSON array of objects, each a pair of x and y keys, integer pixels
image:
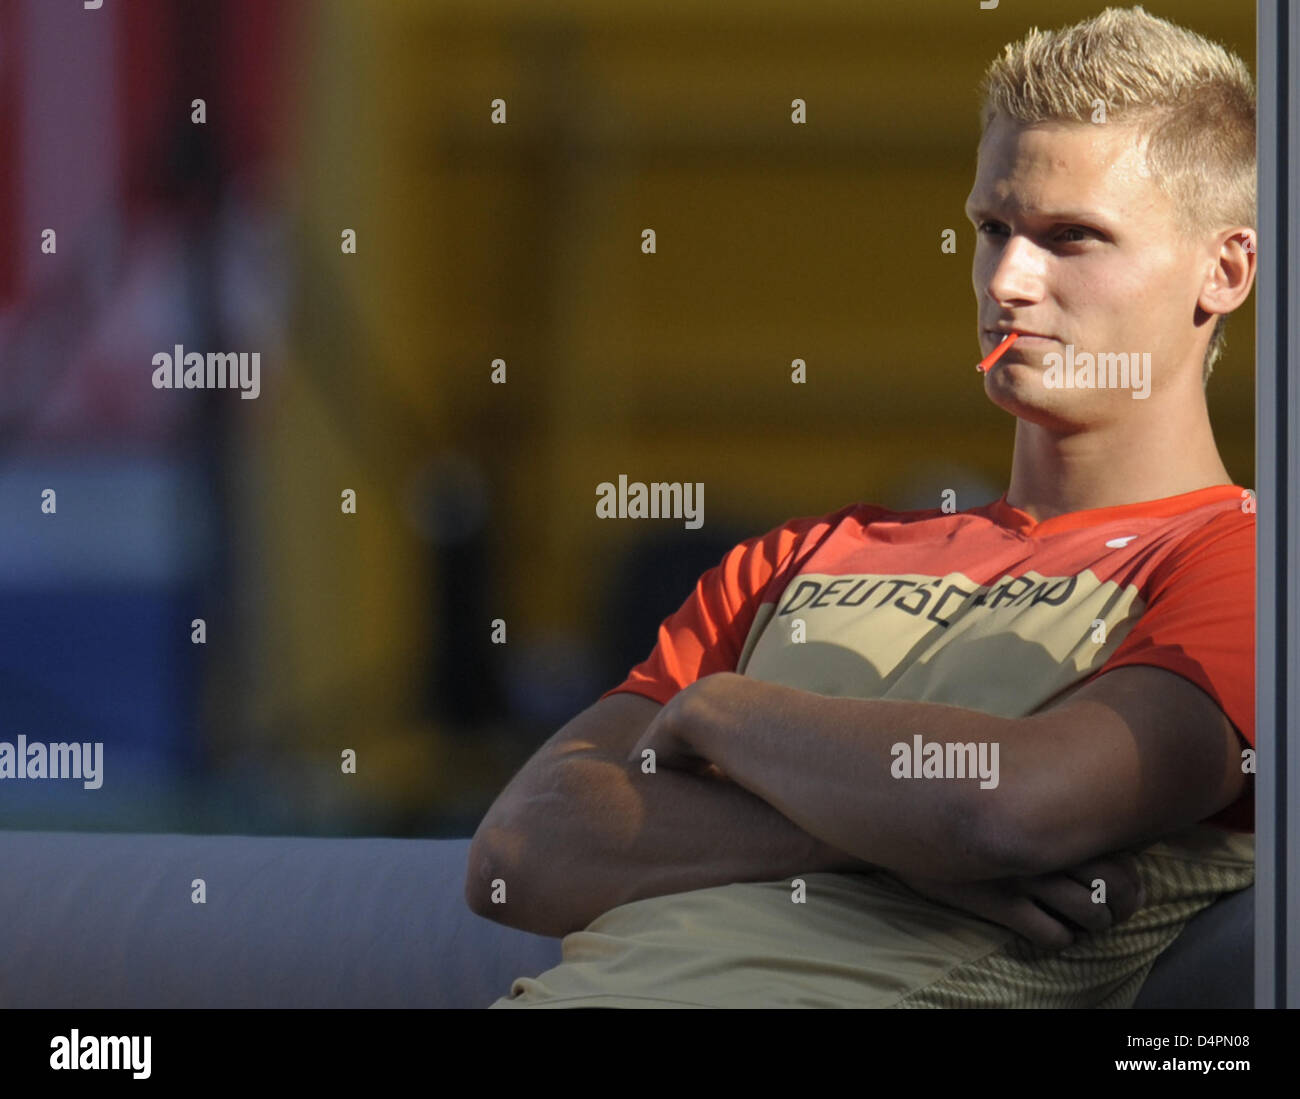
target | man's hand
[
  {"x": 667, "y": 736},
  {"x": 1049, "y": 909}
]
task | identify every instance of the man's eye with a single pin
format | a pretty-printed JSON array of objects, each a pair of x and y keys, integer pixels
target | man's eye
[{"x": 998, "y": 228}]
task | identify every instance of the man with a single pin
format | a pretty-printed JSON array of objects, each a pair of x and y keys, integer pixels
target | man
[{"x": 894, "y": 758}]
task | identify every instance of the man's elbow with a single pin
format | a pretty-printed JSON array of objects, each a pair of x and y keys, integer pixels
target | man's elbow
[
  {"x": 495, "y": 890},
  {"x": 999, "y": 839},
  {"x": 485, "y": 879},
  {"x": 477, "y": 881}
]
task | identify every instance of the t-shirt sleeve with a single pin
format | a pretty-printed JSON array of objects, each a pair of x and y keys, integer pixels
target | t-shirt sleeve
[
  {"x": 707, "y": 633},
  {"x": 1200, "y": 624}
]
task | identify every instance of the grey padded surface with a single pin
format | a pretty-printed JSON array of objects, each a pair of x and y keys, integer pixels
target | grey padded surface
[
  {"x": 1212, "y": 963},
  {"x": 105, "y": 920}
]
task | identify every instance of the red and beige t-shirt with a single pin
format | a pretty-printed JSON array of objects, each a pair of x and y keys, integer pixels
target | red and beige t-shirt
[{"x": 983, "y": 608}]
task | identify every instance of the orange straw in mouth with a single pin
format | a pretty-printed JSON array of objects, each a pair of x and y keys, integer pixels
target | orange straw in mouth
[{"x": 987, "y": 362}]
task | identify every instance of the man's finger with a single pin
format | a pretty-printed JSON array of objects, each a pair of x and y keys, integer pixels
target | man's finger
[
  {"x": 1003, "y": 903},
  {"x": 1072, "y": 900},
  {"x": 1041, "y": 928},
  {"x": 1124, "y": 891}
]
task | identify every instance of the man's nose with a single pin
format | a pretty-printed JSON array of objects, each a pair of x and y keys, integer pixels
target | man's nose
[{"x": 1018, "y": 274}]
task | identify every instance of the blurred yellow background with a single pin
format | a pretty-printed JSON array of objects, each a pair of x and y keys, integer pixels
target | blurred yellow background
[{"x": 521, "y": 242}]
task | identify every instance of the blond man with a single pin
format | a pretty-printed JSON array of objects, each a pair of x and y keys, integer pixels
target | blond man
[{"x": 897, "y": 759}]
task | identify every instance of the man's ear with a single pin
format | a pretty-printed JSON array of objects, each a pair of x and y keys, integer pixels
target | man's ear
[{"x": 1233, "y": 274}]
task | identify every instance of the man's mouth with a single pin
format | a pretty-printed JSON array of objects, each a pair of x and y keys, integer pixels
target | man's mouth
[{"x": 1024, "y": 334}]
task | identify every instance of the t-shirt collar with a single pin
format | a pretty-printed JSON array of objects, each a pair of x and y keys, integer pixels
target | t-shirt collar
[{"x": 1005, "y": 515}]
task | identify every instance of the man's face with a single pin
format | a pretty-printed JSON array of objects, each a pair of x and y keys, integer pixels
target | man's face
[{"x": 1076, "y": 243}]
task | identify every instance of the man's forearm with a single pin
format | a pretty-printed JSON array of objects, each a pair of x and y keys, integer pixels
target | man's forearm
[
  {"x": 827, "y": 765},
  {"x": 656, "y": 834}
]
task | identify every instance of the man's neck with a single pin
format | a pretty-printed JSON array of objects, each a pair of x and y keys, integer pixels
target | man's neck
[{"x": 1124, "y": 463}]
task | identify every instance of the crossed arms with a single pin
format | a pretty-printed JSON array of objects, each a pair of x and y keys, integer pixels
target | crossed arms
[{"x": 1134, "y": 755}]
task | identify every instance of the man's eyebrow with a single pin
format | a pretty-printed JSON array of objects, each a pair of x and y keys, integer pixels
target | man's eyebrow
[{"x": 979, "y": 213}]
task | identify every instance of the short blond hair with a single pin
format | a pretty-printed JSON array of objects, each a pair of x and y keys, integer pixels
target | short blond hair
[{"x": 1194, "y": 100}]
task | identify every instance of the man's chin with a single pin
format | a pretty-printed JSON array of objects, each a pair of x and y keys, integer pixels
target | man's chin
[
  {"x": 1020, "y": 392},
  {"x": 1016, "y": 382}
]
